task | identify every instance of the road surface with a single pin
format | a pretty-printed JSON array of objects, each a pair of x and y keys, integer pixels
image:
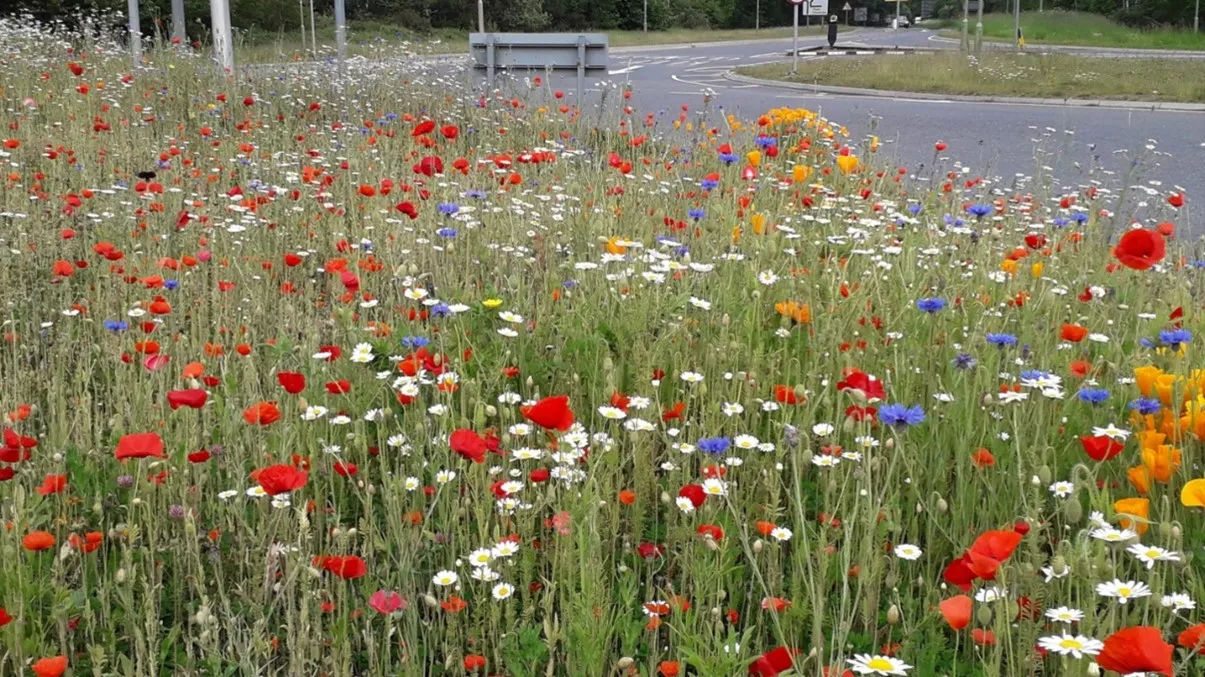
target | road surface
[{"x": 1117, "y": 147}]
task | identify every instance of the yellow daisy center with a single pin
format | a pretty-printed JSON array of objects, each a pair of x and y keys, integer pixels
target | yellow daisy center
[
  {"x": 1070, "y": 643},
  {"x": 879, "y": 663},
  {"x": 1125, "y": 592}
]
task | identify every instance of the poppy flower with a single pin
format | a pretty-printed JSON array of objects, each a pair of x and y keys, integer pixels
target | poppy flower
[
  {"x": 5, "y": 619},
  {"x": 1137, "y": 649},
  {"x": 862, "y": 386},
  {"x": 454, "y": 605},
  {"x": 281, "y": 479},
  {"x": 50, "y": 667},
  {"x": 53, "y": 484},
  {"x": 551, "y": 413},
  {"x": 983, "y": 637},
  {"x": 694, "y": 493},
  {"x": 773, "y": 662},
  {"x": 86, "y": 543},
  {"x": 784, "y": 394},
  {"x": 1192, "y": 639},
  {"x": 959, "y": 573},
  {"x": 194, "y": 398},
  {"x": 346, "y": 469},
  {"x": 1140, "y": 249},
  {"x": 348, "y": 567},
  {"x": 1192, "y": 494},
  {"x": 673, "y": 413},
  {"x": 449, "y": 132},
  {"x": 1101, "y": 448},
  {"x": 982, "y": 458},
  {"x": 263, "y": 413},
  {"x": 1073, "y": 332},
  {"x": 668, "y": 669},
  {"x": 139, "y": 445},
  {"x": 199, "y": 456},
  {"x": 424, "y": 127},
  {"x": 35, "y": 541},
  {"x": 468, "y": 444},
  {"x": 473, "y": 662},
  {"x": 291, "y": 381},
  {"x": 387, "y": 601},
  {"x": 342, "y": 387},
  {"x": 956, "y": 611},
  {"x": 712, "y": 531}
]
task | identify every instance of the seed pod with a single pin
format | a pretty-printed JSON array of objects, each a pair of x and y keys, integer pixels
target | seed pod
[
  {"x": 665, "y": 497},
  {"x": 890, "y": 443},
  {"x": 1165, "y": 530},
  {"x": 1073, "y": 512},
  {"x": 1058, "y": 565},
  {"x": 1045, "y": 475},
  {"x": 625, "y": 663},
  {"x": 942, "y": 506},
  {"x": 757, "y": 546},
  {"x": 893, "y": 615},
  {"x": 984, "y": 615},
  {"x": 430, "y": 601}
]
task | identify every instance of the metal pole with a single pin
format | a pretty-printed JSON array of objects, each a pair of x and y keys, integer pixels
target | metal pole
[
  {"x": 646, "y": 16},
  {"x": 581, "y": 69},
  {"x": 795, "y": 41},
  {"x": 340, "y": 32},
  {"x": 1017, "y": 23},
  {"x": 979, "y": 27},
  {"x": 301, "y": 13},
  {"x": 965, "y": 45},
  {"x": 480, "y": 16},
  {"x": 223, "y": 46},
  {"x": 1196, "y": 18},
  {"x": 135, "y": 33},
  {"x": 313, "y": 32},
  {"x": 757, "y": 16},
  {"x": 178, "y": 31}
]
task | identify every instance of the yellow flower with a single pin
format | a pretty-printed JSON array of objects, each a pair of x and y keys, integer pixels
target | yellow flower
[
  {"x": 754, "y": 158},
  {"x": 1138, "y": 507},
  {"x": 799, "y": 312},
  {"x": 1146, "y": 378},
  {"x": 800, "y": 173},
  {"x": 490, "y": 304},
  {"x": 736, "y": 235},
  {"x": 1140, "y": 479},
  {"x": 847, "y": 163},
  {"x": 1161, "y": 462},
  {"x": 758, "y": 221},
  {"x": 1193, "y": 494},
  {"x": 1037, "y": 269},
  {"x": 1009, "y": 266},
  {"x": 617, "y": 245}
]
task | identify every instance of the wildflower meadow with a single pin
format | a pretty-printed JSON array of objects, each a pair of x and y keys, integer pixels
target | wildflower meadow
[{"x": 378, "y": 373}]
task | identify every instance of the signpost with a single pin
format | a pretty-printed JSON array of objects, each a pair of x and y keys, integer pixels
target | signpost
[
  {"x": 795, "y": 40},
  {"x": 223, "y": 46},
  {"x": 860, "y": 14},
  {"x": 846, "y": 9}
]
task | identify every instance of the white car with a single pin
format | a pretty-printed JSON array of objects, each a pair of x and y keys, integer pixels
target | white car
[{"x": 900, "y": 22}]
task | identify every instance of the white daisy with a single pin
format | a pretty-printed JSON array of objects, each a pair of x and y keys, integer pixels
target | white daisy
[
  {"x": 502, "y": 591},
  {"x": 907, "y": 551},
  {"x": 865, "y": 664},
  {"x": 1149, "y": 554},
  {"x": 781, "y": 534},
  {"x": 1064, "y": 614},
  {"x": 445, "y": 578},
  {"x": 1076, "y": 645},
  {"x": 1123, "y": 591}
]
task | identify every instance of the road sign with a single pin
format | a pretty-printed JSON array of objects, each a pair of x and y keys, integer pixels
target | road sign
[
  {"x": 796, "y": 2},
  {"x": 846, "y": 7},
  {"x": 860, "y": 14},
  {"x": 815, "y": 8}
]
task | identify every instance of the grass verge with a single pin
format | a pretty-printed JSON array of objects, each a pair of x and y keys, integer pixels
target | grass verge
[
  {"x": 1031, "y": 75},
  {"x": 1079, "y": 28},
  {"x": 375, "y": 40}
]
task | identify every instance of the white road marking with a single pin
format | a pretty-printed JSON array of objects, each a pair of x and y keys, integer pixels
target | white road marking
[{"x": 621, "y": 71}]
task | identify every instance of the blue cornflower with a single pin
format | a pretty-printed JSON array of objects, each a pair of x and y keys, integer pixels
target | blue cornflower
[
  {"x": 569, "y": 284},
  {"x": 727, "y": 158},
  {"x": 696, "y": 214},
  {"x": 714, "y": 445},
  {"x": 708, "y": 184},
  {"x": 116, "y": 326},
  {"x": 414, "y": 342},
  {"x": 171, "y": 284},
  {"x": 1061, "y": 221},
  {"x": 1198, "y": 264},
  {"x": 475, "y": 193},
  {"x": 440, "y": 310},
  {"x": 964, "y": 361},
  {"x": 915, "y": 208},
  {"x": 446, "y": 232},
  {"x": 681, "y": 250},
  {"x": 1093, "y": 395},
  {"x": 1174, "y": 337},
  {"x": 900, "y": 415},
  {"x": 448, "y": 208},
  {"x": 953, "y": 221},
  {"x": 1034, "y": 375},
  {"x": 1002, "y": 340},
  {"x": 932, "y": 305},
  {"x": 1079, "y": 217},
  {"x": 1146, "y": 342},
  {"x": 1145, "y": 405},
  {"x": 979, "y": 211},
  {"x": 766, "y": 141}
]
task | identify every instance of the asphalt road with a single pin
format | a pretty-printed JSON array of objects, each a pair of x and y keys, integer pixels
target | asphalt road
[{"x": 1077, "y": 145}]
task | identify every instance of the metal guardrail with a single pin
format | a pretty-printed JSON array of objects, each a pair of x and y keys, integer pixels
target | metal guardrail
[{"x": 539, "y": 51}]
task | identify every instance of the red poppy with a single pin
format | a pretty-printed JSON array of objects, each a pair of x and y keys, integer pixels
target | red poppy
[
  {"x": 551, "y": 413},
  {"x": 1137, "y": 649},
  {"x": 88, "y": 542},
  {"x": 339, "y": 387},
  {"x": 449, "y": 132},
  {"x": 346, "y": 469},
  {"x": 348, "y": 567},
  {"x": 712, "y": 531},
  {"x": 693, "y": 492},
  {"x": 50, "y": 667},
  {"x": 139, "y": 445},
  {"x": 473, "y": 662},
  {"x": 1192, "y": 639},
  {"x": 263, "y": 413},
  {"x": 982, "y": 458},
  {"x": 648, "y": 550},
  {"x": 5, "y": 619},
  {"x": 199, "y": 456},
  {"x": 468, "y": 444},
  {"x": 1035, "y": 240},
  {"x": 1073, "y": 333},
  {"x": 38, "y": 540},
  {"x": 454, "y": 605},
  {"x": 53, "y": 484},
  {"x": 862, "y": 386},
  {"x": 983, "y": 637},
  {"x": 785, "y": 394},
  {"x": 193, "y": 398},
  {"x": 539, "y": 475},
  {"x": 1140, "y": 249},
  {"x": 956, "y": 611},
  {"x": 281, "y": 479},
  {"x": 387, "y": 601},
  {"x": 291, "y": 381},
  {"x": 424, "y": 127},
  {"x": 773, "y": 662},
  {"x": 1101, "y": 448}
]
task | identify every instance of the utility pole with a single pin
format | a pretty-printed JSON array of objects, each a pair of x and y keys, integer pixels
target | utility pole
[
  {"x": 178, "y": 31},
  {"x": 757, "y": 16},
  {"x": 1017, "y": 24},
  {"x": 1196, "y": 18},
  {"x": 135, "y": 33},
  {"x": 481, "y": 16},
  {"x": 646, "y": 16},
  {"x": 965, "y": 44}
]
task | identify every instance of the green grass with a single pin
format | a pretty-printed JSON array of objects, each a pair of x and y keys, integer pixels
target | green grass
[
  {"x": 1023, "y": 75},
  {"x": 711, "y": 296},
  {"x": 375, "y": 40},
  {"x": 1079, "y": 28}
]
